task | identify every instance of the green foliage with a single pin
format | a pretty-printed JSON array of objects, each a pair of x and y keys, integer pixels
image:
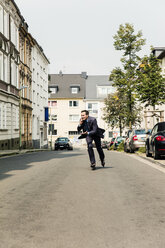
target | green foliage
[
  {"x": 150, "y": 83},
  {"x": 142, "y": 150},
  {"x": 121, "y": 146},
  {"x": 115, "y": 110},
  {"x": 125, "y": 79},
  {"x": 111, "y": 148}
]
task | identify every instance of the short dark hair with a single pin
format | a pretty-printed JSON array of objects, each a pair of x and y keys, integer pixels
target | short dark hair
[{"x": 86, "y": 111}]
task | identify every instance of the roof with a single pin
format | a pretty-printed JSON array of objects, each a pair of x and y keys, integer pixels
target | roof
[
  {"x": 93, "y": 82},
  {"x": 65, "y": 82},
  {"x": 161, "y": 55}
]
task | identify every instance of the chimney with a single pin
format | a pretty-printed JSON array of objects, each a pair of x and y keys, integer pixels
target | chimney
[
  {"x": 84, "y": 74},
  {"x": 60, "y": 73}
]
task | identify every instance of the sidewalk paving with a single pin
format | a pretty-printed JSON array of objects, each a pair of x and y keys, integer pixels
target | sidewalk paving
[
  {"x": 4, "y": 153},
  {"x": 160, "y": 161}
]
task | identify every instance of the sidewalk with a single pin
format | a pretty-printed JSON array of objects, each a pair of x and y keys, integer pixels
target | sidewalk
[
  {"x": 160, "y": 161},
  {"x": 4, "y": 153}
]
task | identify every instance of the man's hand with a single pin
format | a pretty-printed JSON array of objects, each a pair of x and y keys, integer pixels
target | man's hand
[
  {"x": 81, "y": 121},
  {"x": 84, "y": 133}
]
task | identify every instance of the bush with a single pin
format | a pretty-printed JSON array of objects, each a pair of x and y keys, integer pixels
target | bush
[
  {"x": 142, "y": 150},
  {"x": 111, "y": 148},
  {"x": 121, "y": 147}
]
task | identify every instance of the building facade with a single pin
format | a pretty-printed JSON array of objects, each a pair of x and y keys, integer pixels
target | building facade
[
  {"x": 40, "y": 65},
  {"x": 10, "y": 20},
  {"x": 69, "y": 95},
  {"x": 66, "y": 100},
  {"x": 25, "y": 84},
  {"x": 97, "y": 89},
  {"x": 151, "y": 116}
]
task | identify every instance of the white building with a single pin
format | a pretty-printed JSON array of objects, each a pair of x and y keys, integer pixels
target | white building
[
  {"x": 97, "y": 89},
  {"x": 40, "y": 65},
  {"x": 10, "y": 20}
]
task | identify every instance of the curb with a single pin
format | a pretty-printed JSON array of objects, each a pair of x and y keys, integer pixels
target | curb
[
  {"x": 152, "y": 161},
  {"x": 21, "y": 152}
]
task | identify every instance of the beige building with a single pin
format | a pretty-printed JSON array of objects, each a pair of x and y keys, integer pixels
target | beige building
[
  {"x": 25, "y": 84},
  {"x": 66, "y": 100},
  {"x": 68, "y": 95}
]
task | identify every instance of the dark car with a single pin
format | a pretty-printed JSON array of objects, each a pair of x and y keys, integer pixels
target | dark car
[
  {"x": 117, "y": 142},
  {"x": 63, "y": 143},
  {"x": 104, "y": 144},
  {"x": 155, "y": 142}
]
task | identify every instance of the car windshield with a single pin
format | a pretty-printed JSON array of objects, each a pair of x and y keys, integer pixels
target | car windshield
[
  {"x": 119, "y": 138},
  {"x": 140, "y": 131},
  {"x": 62, "y": 140}
]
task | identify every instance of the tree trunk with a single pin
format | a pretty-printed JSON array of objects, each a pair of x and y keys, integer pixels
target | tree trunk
[{"x": 120, "y": 126}]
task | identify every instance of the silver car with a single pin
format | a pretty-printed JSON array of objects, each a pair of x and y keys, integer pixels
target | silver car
[{"x": 137, "y": 139}]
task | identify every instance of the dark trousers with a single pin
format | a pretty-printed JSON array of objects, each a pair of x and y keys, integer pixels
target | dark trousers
[{"x": 97, "y": 140}]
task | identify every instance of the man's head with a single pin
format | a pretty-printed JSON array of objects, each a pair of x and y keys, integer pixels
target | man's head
[{"x": 84, "y": 115}]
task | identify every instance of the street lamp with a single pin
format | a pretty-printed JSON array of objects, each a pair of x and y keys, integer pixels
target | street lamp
[{"x": 20, "y": 117}]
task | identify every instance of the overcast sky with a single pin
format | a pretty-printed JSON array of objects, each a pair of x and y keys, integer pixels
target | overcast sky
[{"x": 77, "y": 35}]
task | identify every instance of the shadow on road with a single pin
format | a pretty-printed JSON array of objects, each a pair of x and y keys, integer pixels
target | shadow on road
[
  {"x": 23, "y": 161},
  {"x": 103, "y": 168}
]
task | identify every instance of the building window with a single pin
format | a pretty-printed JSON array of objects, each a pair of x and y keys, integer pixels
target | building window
[
  {"x": 17, "y": 118},
  {"x": 1, "y": 19},
  {"x": 74, "y": 90},
  {"x": 51, "y": 129},
  {"x": 38, "y": 125},
  {"x": 22, "y": 124},
  {"x": 110, "y": 134},
  {"x": 5, "y": 68},
  {"x": 92, "y": 108},
  {"x": 74, "y": 118},
  {"x": 53, "y": 117},
  {"x": 73, "y": 133},
  {"x": 105, "y": 90},
  {"x": 52, "y": 103},
  {"x": 73, "y": 103},
  {"x": 1, "y": 66},
  {"x": 53, "y": 90},
  {"x": 3, "y": 116}
]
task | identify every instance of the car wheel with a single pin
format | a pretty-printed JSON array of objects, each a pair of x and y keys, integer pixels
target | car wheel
[
  {"x": 155, "y": 153},
  {"x": 148, "y": 154},
  {"x": 131, "y": 150}
]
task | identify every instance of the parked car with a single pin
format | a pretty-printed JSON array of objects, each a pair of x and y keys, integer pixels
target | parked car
[
  {"x": 126, "y": 141},
  {"x": 155, "y": 142},
  {"x": 110, "y": 143},
  {"x": 117, "y": 141},
  {"x": 104, "y": 144},
  {"x": 63, "y": 143},
  {"x": 137, "y": 139}
]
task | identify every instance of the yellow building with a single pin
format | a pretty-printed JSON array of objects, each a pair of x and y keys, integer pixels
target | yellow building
[{"x": 25, "y": 81}]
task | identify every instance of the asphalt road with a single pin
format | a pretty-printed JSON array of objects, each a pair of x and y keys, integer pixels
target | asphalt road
[{"x": 54, "y": 200}]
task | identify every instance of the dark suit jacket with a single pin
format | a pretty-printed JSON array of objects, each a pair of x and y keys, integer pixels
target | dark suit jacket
[{"x": 93, "y": 128}]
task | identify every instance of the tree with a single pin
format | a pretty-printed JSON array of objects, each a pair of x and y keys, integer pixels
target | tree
[
  {"x": 150, "y": 83},
  {"x": 125, "y": 79},
  {"x": 115, "y": 110}
]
